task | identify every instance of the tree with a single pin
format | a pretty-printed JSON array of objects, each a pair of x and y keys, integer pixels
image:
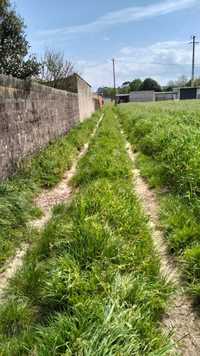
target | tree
[
  {"x": 14, "y": 47},
  {"x": 196, "y": 82},
  {"x": 54, "y": 67},
  {"x": 107, "y": 92},
  {"x": 123, "y": 89},
  {"x": 181, "y": 81},
  {"x": 169, "y": 86},
  {"x": 150, "y": 84},
  {"x": 135, "y": 85},
  {"x": 126, "y": 84}
]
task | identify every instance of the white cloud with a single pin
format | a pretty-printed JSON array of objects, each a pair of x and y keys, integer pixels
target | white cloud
[
  {"x": 126, "y": 15},
  {"x": 162, "y": 60},
  {"x": 106, "y": 38}
]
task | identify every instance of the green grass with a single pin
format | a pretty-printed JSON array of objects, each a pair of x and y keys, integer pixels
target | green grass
[
  {"x": 44, "y": 170},
  {"x": 91, "y": 283},
  {"x": 167, "y": 136}
]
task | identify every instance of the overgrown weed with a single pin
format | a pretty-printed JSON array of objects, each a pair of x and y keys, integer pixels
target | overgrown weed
[
  {"x": 167, "y": 135},
  {"x": 92, "y": 282},
  {"x": 43, "y": 170}
]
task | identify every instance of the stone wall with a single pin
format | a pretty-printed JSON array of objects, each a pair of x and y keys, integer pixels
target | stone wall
[
  {"x": 31, "y": 115},
  {"x": 85, "y": 98}
]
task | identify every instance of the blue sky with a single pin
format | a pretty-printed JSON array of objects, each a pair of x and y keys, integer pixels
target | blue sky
[{"x": 147, "y": 37}]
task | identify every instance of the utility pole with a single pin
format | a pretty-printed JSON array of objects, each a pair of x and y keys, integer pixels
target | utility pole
[
  {"x": 194, "y": 42},
  {"x": 114, "y": 81}
]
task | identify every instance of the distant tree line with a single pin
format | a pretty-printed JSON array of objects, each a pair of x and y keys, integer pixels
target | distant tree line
[
  {"x": 146, "y": 84},
  {"x": 128, "y": 86}
]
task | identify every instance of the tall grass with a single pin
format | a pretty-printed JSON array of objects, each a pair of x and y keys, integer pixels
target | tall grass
[
  {"x": 168, "y": 137},
  {"x": 43, "y": 170},
  {"x": 91, "y": 284}
]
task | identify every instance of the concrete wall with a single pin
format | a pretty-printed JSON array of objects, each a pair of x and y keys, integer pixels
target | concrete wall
[
  {"x": 166, "y": 96},
  {"x": 74, "y": 83},
  {"x": 142, "y": 96},
  {"x": 85, "y": 97},
  {"x": 31, "y": 115}
]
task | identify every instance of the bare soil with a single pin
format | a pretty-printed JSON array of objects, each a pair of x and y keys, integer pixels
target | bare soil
[
  {"x": 12, "y": 267},
  {"x": 60, "y": 194},
  {"x": 180, "y": 320}
]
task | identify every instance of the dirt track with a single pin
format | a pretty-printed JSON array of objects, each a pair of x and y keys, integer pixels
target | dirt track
[
  {"x": 45, "y": 201},
  {"x": 180, "y": 320}
]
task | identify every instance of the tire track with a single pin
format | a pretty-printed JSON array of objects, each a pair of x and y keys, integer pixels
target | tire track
[
  {"x": 46, "y": 201},
  {"x": 180, "y": 320}
]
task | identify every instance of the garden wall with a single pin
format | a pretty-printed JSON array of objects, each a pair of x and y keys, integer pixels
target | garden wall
[
  {"x": 86, "y": 99},
  {"x": 31, "y": 115}
]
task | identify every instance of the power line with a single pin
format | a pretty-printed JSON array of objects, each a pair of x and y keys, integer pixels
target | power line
[
  {"x": 163, "y": 64},
  {"x": 194, "y": 43},
  {"x": 194, "y": 65},
  {"x": 114, "y": 81}
]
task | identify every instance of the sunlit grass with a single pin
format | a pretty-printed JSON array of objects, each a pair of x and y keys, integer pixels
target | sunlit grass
[
  {"x": 91, "y": 284},
  {"x": 167, "y": 135},
  {"x": 43, "y": 170}
]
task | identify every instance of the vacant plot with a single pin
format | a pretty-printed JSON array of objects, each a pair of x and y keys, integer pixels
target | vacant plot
[
  {"x": 167, "y": 137},
  {"x": 91, "y": 284}
]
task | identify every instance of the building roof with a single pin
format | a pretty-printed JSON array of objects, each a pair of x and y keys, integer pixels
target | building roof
[
  {"x": 164, "y": 92},
  {"x": 121, "y": 95},
  {"x": 186, "y": 88}
]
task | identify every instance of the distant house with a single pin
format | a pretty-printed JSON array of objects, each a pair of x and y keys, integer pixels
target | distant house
[
  {"x": 123, "y": 98},
  {"x": 136, "y": 96},
  {"x": 185, "y": 93},
  {"x": 168, "y": 95},
  {"x": 188, "y": 93},
  {"x": 142, "y": 96}
]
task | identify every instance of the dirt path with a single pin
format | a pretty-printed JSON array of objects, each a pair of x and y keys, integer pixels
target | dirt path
[
  {"x": 180, "y": 320},
  {"x": 11, "y": 268},
  {"x": 45, "y": 201},
  {"x": 61, "y": 193}
]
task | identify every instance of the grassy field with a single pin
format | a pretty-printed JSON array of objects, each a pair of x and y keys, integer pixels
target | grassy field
[
  {"x": 167, "y": 136},
  {"x": 42, "y": 171},
  {"x": 91, "y": 283}
]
